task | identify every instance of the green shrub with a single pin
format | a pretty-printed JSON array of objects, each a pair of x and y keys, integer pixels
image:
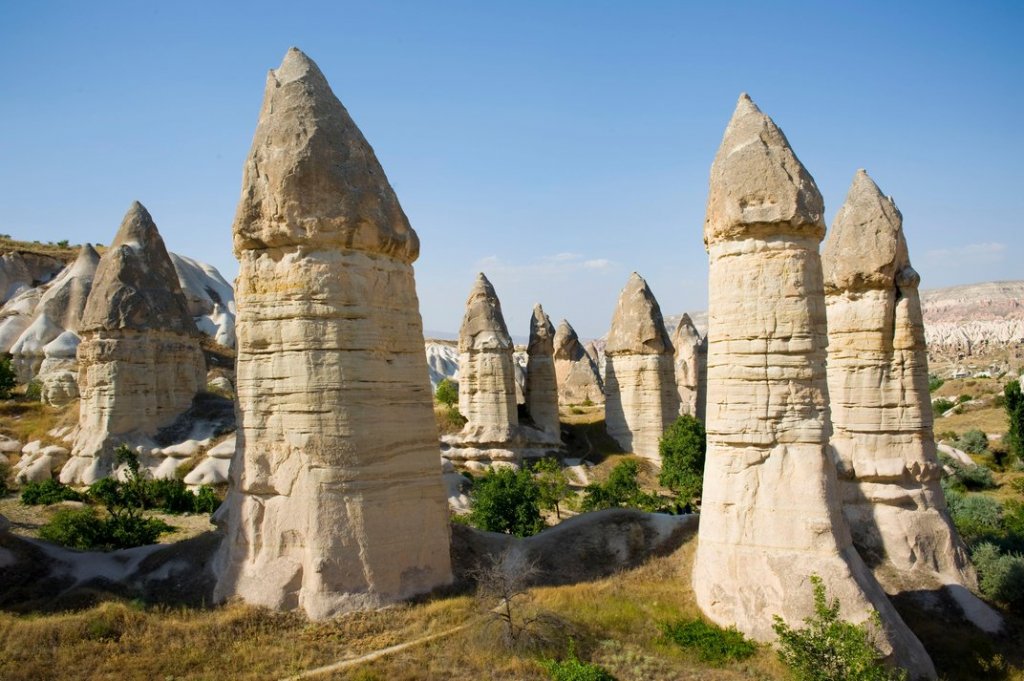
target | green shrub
[
  {"x": 621, "y": 489},
  {"x": 830, "y": 649},
  {"x": 712, "y": 643},
  {"x": 128, "y": 530},
  {"x": 683, "y": 448},
  {"x": 447, "y": 393},
  {"x": 506, "y": 500},
  {"x": 8, "y": 379},
  {"x": 137, "y": 491},
  {"x": 942, "y": 405},
  {"x": 205, "y": 500},
  {"x": 964, "y": 398},
  {"x": 76, "y": 528},
  {"x": 1013, "y": 401},
  {"x": 574, "y": 669},
  {"x": 5, "y": 472},
  {"x": 977, "y": 518},
  {"x": 47, "y": 492},
  {"x": 34, "y": 391},
  {"x": 934, "y": 383},
  {"x": 553, "y": 486},
  {"x": 966, "y": 477},
  {"x": 973, "y": 442},
  {"x": 1001, "y": 575}
]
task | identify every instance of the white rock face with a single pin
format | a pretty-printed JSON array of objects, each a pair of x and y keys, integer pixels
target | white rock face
[
  {"x": 881, "y": 409},
  {"x": 487, "y": 379},
  {"x": 39, "y": 462},
  {"x": 686, "y": 342},
  {"x": 442, "y": 361},
  {"x": 139, "y": 358},
  {"x": 336, "y": 501},
  {"x": 211, "y": 300},
  {"x": 771, "y": 514},
  {"x": 541, "y": 390},
  {"x": 641, "y": 398},
  {"x": 575, "y": 369},
  {"x": 213, "y": 469},
  {"x": 20, "y": 272}
]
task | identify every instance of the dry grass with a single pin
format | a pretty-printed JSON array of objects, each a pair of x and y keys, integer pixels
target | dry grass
[{"x": 65, "y": 253}]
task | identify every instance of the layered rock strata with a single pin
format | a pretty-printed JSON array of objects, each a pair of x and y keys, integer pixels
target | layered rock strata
[
  {"x": 541, "y": 389},
  {"x": 641, "y": 397},
  {"x": 140, "y": 362},
  {"x": 576, "y": 371},
  {"x": 881, "y": 408},
  {"x": 686, "y": 342},
  {"x": 771, "y": 514},
  {"x": 336, "y": 501}
]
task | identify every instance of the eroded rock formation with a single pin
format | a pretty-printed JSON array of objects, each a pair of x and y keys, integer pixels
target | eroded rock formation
[
  {"x": 771, "y": 513},
  {"x": 140, "y": 363},
  {"x": 641, "y": 397},
  {"x": 881, "y": 408},
  {"x": 576, "y": 371},
  {"x": 541, "y": 390},
  {"x": 687, "y": 343},
  {"x": 336, "y": 500}
]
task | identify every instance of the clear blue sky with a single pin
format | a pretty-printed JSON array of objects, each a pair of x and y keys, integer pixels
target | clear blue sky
[{"x": 558, "y": 146}]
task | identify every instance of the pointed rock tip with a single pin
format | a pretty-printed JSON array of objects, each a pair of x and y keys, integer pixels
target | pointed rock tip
[
  {"x": 137, "y": 225},
  {"x": 745, "y": 105},
  {"x": 295, "y": 65},
  {"x": 87, "y": 252}
]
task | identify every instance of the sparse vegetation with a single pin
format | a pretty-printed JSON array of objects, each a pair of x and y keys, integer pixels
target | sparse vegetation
[
  {"x": 48, "y": 492},
  {"x": 934, "y": 383},
  {"x": 1013, "y": 402},
  {"x": 8, "y": 379},
  {"x": 942, "y": 405},
  {"x": 621, "y": 489},
  {"x": 573, "y": 669},
  {"x": 973, "y": 442},
  {"x": 828, "y": 648},
  {"x": 683, "y": 448},
  {"x": 711, "y": 643},
  {"x": 447, "y": 393},
  {"x": 506, "y": 500},
  {"x": 553, "y": 486},
  {"x": 84, "y": 529},
  {"x": 1002, "y": 574}
]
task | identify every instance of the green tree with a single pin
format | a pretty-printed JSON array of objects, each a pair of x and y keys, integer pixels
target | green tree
[
  {"x": 8, "y": 379},
  {"x": 506, "y": 500},
  {"x": 683, "y": 448},
  {"x": 447, "y": 393},
  {"x": 1014, "y": 404},
  {"x": 830, "y": 649},
  {"x": 621, "y": 489},
  {"x": 552, "y": 485}
]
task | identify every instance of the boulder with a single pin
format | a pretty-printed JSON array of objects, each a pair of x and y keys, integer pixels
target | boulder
[{"x": 336, "y": 501}]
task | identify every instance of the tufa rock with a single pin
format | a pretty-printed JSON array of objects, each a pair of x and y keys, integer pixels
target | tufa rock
[
  {"x": 881, "y": 408},
  {"x": 487, "y": 381},
  {"x": 575, "y": 369},
  {"x": 541, "y": 389},
  {"x": 139, "y": 358},
  {"x": 335, "y": 501},
  {"x": 771, "y": 514},
  {"x": 687, "y": 343},
  {"x": 641, "y": 399}
]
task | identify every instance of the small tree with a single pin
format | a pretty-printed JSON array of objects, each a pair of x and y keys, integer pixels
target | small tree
[
  {"x": 447, "y": 393},
  {"x": 621, "y": 489},
  {"x": 8, "y": 379},
  {"x": 552, "y": 485},
  {"x": 1014, "y": 404},
  {"x": 683, "y": 448},
  {"x": 506, "y": 500},
  {"x": 502, "y": 589},
  {"x": 830, "y": 649}
]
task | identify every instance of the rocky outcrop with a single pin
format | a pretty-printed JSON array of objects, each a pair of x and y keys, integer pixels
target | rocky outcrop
[
  {"x": 541, "y": 389},
  {"x": 641, "y": 398},
  {"x": 442, "y": 361},
  {"x": 211, "y": 300},
  {"x": 336, "y": 501},
  {"x": 771, "y": 514},
  {"x": 687, "y": 344},
  {"x": 881, "y": 408},
  {"x": 575, "y": 369},
  {"x": 139, "y": 359},
  {"x": 21, "y": 271}
]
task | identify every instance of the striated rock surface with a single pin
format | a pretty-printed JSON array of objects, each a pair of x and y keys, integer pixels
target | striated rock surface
[
  {"x": 771, "y": 514},
  {"x": 487, "y": 379},
  {"x": 139, "y": 359},
  {"x": 687, "y": 344},
  {"x": 575, "y": 369},
  {"x": 336, "y": 500},
  {"x": 881, "y": 408},
  {"x": 641, "y": 397},
  {"x": 541, "y": 389}
]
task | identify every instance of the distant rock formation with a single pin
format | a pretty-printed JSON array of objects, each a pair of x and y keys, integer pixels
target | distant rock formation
[
  {"x": 541, "y": 389},
  {"x": 576, "y": 370},
  {"x": 139, "y": 355},
  {"x": 211, "y": 300},
  {"x": 20, "y": 272},
  {"x": 489, "y": 392},
  {"x": 687, "y": 344},
  {"x": 442, "y": 361},
  {"x": 641, "y": 397},
  {"x": 771, "y": 514},
  {"x": 881, "y": 409},
  {"x": 336, "y": 501}
]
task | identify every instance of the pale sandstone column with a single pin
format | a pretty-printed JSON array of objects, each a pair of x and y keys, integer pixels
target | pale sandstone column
[
  {"x": 336, "y": 500},
  {"x": 881, "y": 409},
  {"x": 487, "y": 380},
  {"x": 541, "y": 390},
  {"x": 641, "y": 398},
  {"x": 139, "y": 358},
  {"x": 771, "y": 514},
  {"x": 575, "y": 369},
  {"x": 686, "y": 341}
]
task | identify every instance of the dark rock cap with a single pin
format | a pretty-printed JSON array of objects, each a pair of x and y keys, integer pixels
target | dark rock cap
[{"x": 637, "y": 326}]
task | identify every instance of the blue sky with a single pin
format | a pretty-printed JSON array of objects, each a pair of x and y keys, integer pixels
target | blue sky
[{"x": 557, "y": 146}]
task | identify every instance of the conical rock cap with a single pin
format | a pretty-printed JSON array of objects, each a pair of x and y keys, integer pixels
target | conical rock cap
[
  {"x": 542, "y": 333},
  {"x": 483, "y": 317},
  {"x": 637, "y": 326}
]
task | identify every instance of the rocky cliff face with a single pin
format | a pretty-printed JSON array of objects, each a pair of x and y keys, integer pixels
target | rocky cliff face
[
  {"x": 336, "y": 501},
  {"x": 771, "y": 513},
  {"x": 881, "y": 409},
  {"x": 139, "y": 359},
  {"x": 641, "y": 397}
]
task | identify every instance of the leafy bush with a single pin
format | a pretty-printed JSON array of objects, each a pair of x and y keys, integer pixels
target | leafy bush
[
  {"x": 167, "y": 495},
  {"x": 47, "y": 492},
  {"x": 84, "y": 529},
  {"x": 683, "y": 448},
  {"x": 712, "y": 643},
  {"x": 977, "y": 518},
  {"x": 553, "y": 486},
  {"x": 830, "y": 649},
  {"x": 34, "y": 390},
  {"x": 621, "y": 489},
  {"x": 506, "y": 500},
  {"x": 1013, "y": 401},
  {"x": 447, "y": 393},
  {"x": 574, "y": 669},
  {"x": 934, "y": 383},
  {"x": 8, "y": 379},
  {"x": 964, "y": 398},
  {"x": 942, "y": 405},
  {"x": 1001, "y": 574},
  {"x": 966, "y": 477},
  {"x": 973, "y": 442}
]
